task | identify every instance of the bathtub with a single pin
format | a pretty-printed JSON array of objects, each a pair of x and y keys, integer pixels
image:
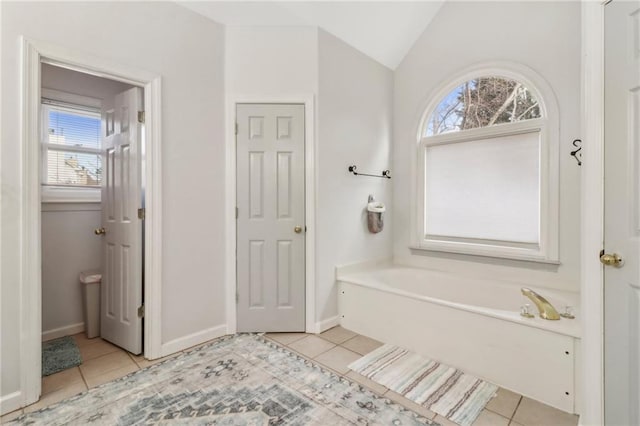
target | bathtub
[{"x": 469, "y": 323}]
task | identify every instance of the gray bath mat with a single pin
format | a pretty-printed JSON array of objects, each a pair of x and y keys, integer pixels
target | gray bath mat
[{"x": 59, "y": 354}]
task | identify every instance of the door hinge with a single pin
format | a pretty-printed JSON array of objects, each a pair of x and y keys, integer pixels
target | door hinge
[
  {"x": 237, "y": 214},
  {"x": 140, "y": 116},
  {"x": 236, "y": 128},
  {"x": 142, "y": 213},
  {"x": 141, "y": 311}
]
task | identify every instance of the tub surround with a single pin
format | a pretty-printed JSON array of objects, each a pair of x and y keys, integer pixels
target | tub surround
[{"x": 473, "y": 324}]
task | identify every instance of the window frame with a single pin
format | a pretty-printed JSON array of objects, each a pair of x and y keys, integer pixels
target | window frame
[
  {"x": 546, "y": 251},
  {"x": 65, "y": 193}
]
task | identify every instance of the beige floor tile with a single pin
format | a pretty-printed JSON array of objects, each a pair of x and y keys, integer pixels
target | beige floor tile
[
  {"x": 443, "y": 421},
  {"x": 504, "y": 403},
  {"x": 489, "y": 418},
  {"x": 311, "y": 346},
  {"x": 338, "y": 335},
  {"x": 81, "y": 339},
  {"x": 93, "y": 381},
  {"x": 60, "y": 380},
  {"x": 56, "y": 396},
  {"x": 534, "y": 413},
  {"x": 286, "y": 338},
  {"x": 410, "y": 405},
  {"x": 10, "y": 416},
  {"x": 338, "y": 359},
  {"x": 96, "y": 348},
  {"x": 98, "y": 366},
  {"x": 366, "y": 382},
  {"x": 361, "y": 344},
  {"x": 514, "y": 423},
  {"x": 142, "y": 362}
]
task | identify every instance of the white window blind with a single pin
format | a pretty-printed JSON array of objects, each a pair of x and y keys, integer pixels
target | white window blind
[
  {"x": 71, "y": 145},
  {"x": 485, "y": 189}
]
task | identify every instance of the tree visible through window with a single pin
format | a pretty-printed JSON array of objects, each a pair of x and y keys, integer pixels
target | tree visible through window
[
  {"x": 483, "y": 102},
  {"x": 487, "y": 181}
]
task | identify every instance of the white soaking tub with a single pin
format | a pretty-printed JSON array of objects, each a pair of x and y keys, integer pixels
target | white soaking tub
[{"x": 471, "y": 324}]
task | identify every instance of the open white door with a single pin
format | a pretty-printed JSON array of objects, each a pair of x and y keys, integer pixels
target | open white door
[
  {"x": 270, "y": 218},
  {"x": 622, "y": 214},
  {"x": 121, "y": 292}
]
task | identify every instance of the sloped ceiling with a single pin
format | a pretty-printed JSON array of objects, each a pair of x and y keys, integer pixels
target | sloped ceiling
[{"x": 384, "y": 30}]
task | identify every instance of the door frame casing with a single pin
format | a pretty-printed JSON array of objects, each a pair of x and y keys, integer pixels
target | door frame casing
[
  {"x": 592, "y": 213},
  {"x": 309, "y": 201},
  {"x": 32, "y": 55}
]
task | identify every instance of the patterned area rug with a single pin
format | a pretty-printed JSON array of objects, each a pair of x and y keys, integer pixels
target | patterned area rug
[
  {"x": 444, "y": 390},
  {"x": 59, "y": 354},
  {"x": 237, "y": 380}
]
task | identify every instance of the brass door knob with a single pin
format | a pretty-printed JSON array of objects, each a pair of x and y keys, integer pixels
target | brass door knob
[
  {"x": 297, "y": 229},
  {"x": 611, "y": 260},
  {"x": 100, "y": 231}
]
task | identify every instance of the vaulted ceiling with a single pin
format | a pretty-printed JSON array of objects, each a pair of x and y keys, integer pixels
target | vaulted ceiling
[{"x": 383, "y": 30}]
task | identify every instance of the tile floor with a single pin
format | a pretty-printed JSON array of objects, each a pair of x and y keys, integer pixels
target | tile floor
[
  {"x": 334, "y": 349},
  {"x": 338, "y": 347}
]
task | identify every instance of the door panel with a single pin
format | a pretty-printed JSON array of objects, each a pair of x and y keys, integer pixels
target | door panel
[
  {"x": 121, "y": 292},
  {"x": 622, "y": 212},
  {"x": 270, "y": 200}
]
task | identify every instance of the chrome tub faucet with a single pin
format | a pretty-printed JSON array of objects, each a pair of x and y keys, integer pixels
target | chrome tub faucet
[{"x": 547, "y": 311}]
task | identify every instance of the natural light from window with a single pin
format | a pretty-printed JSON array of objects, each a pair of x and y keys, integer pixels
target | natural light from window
[
  {"x": 72, "y": 147},
  {"x": 484, "y": 171},
  {"x": 483, "y": 102}
]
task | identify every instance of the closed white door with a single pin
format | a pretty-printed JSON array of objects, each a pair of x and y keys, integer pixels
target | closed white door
[
  {"x": 121, "y": 289},
  {"x": 622, "y": 213},
  {"x": 270, "y": 259}
]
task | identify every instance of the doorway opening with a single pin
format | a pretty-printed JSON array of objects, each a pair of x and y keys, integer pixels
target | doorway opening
[
  {"x": 64, "y": 166},
  {"x": 92, "y": 271}
]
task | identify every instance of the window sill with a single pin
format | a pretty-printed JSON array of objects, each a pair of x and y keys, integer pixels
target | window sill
[
  {"x": 496, "y": 252},
  {"x": 58, "y": 194}
]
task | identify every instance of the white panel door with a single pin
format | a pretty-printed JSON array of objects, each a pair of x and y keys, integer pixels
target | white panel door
[
  {"x": 270, "y": 224},
  {"x": 622, "y": 213},
  {"x": 121, "y": 290}
]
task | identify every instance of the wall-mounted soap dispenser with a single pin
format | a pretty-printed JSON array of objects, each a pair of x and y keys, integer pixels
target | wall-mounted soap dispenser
[{"x": 375, "y": 221}]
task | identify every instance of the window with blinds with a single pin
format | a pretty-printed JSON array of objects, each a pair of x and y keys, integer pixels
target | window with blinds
[{"x": 71, "y": 145}]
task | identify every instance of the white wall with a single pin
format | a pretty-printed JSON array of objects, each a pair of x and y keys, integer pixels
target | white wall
[
  {"x": 271, "y": 61},
  {"x": 187, "y": 51},
  {"x": 353, "y": 124},
  {"x": 355, "y": 100},
  {"x": 69, "y": 245},
  {"x": 545, "y": 36}
]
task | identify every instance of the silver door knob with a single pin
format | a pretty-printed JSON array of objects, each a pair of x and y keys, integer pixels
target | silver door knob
[
  {"x": 100, "y": 231},
  {"x": 297, "y": 229},
  {"x": 611, "y": 260}
]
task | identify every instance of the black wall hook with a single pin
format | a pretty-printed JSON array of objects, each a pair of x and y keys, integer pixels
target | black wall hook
[
  {"x": 577, "y": 154},
  {"x": 385, "y": 173}
]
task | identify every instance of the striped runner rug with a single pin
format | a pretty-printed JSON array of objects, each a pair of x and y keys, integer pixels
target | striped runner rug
[{"x": 442, "y": 389}]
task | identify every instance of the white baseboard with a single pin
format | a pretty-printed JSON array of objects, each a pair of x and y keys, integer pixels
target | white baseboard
[
  {"x": 194, "y": 339},
  {"x": 11, "y": 402},
  {"x": 67, "y": 330},
  {"x": 327, "y": 324}
]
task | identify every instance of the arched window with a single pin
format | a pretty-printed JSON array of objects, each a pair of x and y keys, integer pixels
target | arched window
[
  {"x": 488, "y": 172},
  {"x": 483, "y": 102}
]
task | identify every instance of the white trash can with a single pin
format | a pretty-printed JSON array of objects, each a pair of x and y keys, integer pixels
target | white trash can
[{"x": 90, "y": 282}]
